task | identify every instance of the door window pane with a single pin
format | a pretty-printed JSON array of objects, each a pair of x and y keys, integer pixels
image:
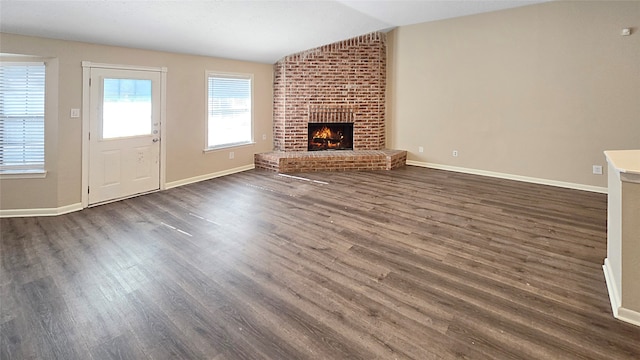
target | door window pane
[{"x": 126, "y": 108}]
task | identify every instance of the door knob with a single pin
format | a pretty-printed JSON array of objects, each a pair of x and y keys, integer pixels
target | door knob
[{"x": 155, "y": 140}]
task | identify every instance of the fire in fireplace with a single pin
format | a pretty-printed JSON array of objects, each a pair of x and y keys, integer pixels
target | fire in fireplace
[{"x": 330, "y": 136}]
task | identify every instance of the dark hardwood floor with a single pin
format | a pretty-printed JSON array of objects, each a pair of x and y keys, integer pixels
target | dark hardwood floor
[{"x": 408, "y": 264}]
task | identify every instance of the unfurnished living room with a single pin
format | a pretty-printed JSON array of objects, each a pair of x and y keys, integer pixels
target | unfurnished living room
[{"x": 333, "y": 179}]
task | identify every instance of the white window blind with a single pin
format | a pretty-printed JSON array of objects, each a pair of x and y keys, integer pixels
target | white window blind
[
  {"x": 229, "y": 109},
  {"x": 22, "y": 94}
]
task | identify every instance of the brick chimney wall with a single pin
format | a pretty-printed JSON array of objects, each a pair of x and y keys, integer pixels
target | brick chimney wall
[{"x": 344, "y": 77}]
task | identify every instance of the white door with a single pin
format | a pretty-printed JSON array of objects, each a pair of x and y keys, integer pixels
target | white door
[{"x": 124, "y": 133}]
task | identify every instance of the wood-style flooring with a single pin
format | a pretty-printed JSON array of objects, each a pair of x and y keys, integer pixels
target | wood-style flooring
[{"x": 407, "y": 264}]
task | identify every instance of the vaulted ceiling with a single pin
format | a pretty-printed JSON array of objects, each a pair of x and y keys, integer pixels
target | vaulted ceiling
[{"x": 259, "y": 30}]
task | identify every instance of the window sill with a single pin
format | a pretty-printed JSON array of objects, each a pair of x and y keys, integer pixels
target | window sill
[
  {"x": 23, "y": 174},
  {"x": 228, "y": 146}
]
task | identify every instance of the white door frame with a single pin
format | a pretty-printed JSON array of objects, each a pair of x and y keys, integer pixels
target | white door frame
[{"x": 86, "y": 112}]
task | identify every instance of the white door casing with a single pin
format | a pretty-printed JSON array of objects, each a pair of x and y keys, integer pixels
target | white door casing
[{"x": 122, "y": 147}]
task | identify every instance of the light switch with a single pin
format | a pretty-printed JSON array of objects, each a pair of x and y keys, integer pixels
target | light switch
[{"x": 75, "y": 113}]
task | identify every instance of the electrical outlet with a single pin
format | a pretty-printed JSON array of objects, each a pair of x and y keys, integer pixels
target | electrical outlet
[
  {"x": 420, "y": 149},
  {"x": 231, "y": 155},
  {"x": 597, "y": 169},
  {"x": 75, "y": 113},
  {"x": 455, "y": 153}
]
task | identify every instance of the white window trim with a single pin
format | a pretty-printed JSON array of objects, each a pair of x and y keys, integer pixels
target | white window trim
[
  {"x": 35, "y": 173},
  {"x": 23, "y": 174},
  {"x": 228, "y": 146},
  {"x": 208, "y": 74}
]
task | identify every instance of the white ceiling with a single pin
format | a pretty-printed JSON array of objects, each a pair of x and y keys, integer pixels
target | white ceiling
[{"x": 260, "y": 30}]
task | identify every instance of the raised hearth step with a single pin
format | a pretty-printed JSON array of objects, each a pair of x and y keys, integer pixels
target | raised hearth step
[{"x": 343, "y": 160}]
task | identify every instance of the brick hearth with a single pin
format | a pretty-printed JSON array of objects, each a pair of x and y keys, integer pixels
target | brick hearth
[
  {"x": 344, "y": 160},
  {"x": 341, "y": 82}
]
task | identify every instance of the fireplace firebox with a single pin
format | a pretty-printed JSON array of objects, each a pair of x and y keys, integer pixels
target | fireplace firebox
[{"x": 330, "y": 136}]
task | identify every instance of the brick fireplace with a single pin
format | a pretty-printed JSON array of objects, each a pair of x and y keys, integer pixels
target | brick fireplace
[{"x": 344, "y": 82}]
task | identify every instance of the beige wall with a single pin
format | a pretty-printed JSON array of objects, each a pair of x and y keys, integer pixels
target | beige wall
[
  {"x": 539, "y": 91},
  {"x": 185, "y": 117}
]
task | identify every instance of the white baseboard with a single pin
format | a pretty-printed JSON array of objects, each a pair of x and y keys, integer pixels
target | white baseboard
[
  {"x": 620, "y": 313},
  {"x": 528, "y": 179},
  {"x": 629, "y": 316},
  {"x": 614, "y": 295},
  {"x": 40, "y": 212},
  {"x": 196, "y": 179}
]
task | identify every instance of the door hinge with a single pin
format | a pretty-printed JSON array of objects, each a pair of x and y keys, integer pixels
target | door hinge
[
  {"x": 89, "y": 81},
  {"x": 89, "y": 136},
  {"x": 88, "y": 189}
]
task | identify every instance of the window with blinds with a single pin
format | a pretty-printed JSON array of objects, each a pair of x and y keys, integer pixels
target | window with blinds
[
  {"x": 22, "y": 94},
  {"x": 230, "y": 119}
]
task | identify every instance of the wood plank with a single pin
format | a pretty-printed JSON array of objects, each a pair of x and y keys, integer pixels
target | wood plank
[
  {"x": 56, "y": 331},
  {"x": 10, "y": 341},
  {"x": 122, "y": 347}
]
